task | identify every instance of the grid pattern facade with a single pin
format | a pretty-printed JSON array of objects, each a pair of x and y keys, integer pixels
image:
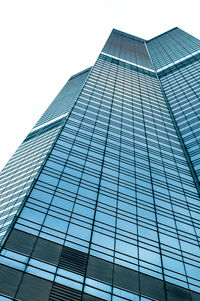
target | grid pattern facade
[
  {"x": 127, "y": 47},
  {"x": 114, "y": 211},
  {"x": 63, "y": 101},
  {"x": 22, "y": 169},
  {"x": 182, "y": 89},
  {"x": 19, "y": 173},
  {"x": 181, "y": 84},
  {"x": 171, "y": 47}
]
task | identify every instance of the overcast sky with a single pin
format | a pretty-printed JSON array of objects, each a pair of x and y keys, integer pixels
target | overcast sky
[{"x": 44, "y": 42}]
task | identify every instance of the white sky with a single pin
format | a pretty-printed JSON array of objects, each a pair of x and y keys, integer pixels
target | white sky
[{"x": 44, "y": 42}]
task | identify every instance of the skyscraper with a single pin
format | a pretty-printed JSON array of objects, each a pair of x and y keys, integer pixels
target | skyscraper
[{"x": 101, "y": 200}]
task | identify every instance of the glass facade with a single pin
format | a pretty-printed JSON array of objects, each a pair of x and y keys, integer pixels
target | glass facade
[
  {"x": 20, "y": 172},
  {"x": 111, "y": 210}
]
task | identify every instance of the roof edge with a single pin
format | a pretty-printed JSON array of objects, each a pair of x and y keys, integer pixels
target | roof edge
[
  {"x": 127, "y": 35},
  {"x": 162, "y": 34},
  {"x": 80, "y": 73}
]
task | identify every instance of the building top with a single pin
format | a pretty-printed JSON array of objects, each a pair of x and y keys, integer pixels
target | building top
[{"x": 127, "y": 35}]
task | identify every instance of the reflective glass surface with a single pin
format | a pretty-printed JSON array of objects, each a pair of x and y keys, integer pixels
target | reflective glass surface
[
  {"x": 109, "y": 175},
  {"x": 117, "y": 185}
]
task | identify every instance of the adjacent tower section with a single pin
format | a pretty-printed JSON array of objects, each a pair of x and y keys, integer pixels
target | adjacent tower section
[
  {"x": 20, "y": 172},
  {"x": 176, "y": 57},
  {"x": 101, "y": 201}
]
